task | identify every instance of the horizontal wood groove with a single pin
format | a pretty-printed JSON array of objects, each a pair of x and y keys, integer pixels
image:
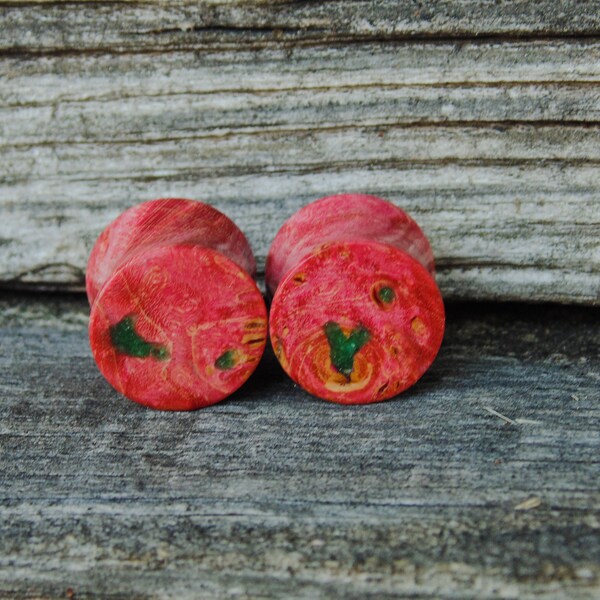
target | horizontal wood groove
[
  {"x": 314, "y": 168},
  {"x": 261, "y": 91},
  {"x": 320, "y": 41},
  {"x": 382, "y": 128},
  {"x": 114, "y": 27}
]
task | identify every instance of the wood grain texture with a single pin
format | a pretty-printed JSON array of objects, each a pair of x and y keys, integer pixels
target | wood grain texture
[
  {"x": 480, "y": 119},
  {"x": 274, "y": 494},
  {"x": 124, "y": 26}
]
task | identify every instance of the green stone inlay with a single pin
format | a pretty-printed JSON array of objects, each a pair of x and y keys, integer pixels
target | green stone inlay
[
  {"x": 386, "y": 294},
  {"x": 226, "y": 360},
  {"x": 343, "y": 348},
  {"x": 126, "y": 340}
]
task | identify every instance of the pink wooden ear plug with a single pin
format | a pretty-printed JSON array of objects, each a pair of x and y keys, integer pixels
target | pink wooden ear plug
[
  {"x": 356, "y": 315},
  {"x": 177, "y": 323}
]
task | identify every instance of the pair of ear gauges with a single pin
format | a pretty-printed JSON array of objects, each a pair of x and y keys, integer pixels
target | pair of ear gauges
[{"x": 178, "y": 323}]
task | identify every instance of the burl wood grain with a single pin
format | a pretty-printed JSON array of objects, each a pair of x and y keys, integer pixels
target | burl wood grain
[{"x": 177, "y": 322}]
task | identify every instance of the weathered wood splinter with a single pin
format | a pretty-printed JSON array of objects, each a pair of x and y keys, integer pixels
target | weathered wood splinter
[
  {"x": 356, "y": 315},
  {"x": 177, "y": 322}
]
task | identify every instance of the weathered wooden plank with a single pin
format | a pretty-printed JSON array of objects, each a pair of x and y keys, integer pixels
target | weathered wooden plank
[
  {"x": 274, "y": 494},
  {"x": 186, "y": 24},
  {"x": 124, "y": 98},
  {"x": 78, "y": 176},
  {"x": 182, "y": 116},
  {"x": 492, "y": 145},
  {"x": 512, "y": 228},
  {"x": 36, "y": 82}
]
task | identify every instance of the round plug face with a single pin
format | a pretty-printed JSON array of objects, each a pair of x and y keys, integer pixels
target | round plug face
[{"x": 357, "y": 322}]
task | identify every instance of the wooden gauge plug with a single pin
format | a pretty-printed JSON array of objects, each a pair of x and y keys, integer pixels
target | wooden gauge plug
[
  {"x": 177, "y": 322},
  {"x": 356, "y": 316}
]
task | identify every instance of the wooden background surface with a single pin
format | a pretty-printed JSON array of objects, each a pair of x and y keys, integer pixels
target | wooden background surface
[
  {"x": 483, "y": 120},
  {"x": 480, "y": 118},
  {"x": 273, "y": 494}
]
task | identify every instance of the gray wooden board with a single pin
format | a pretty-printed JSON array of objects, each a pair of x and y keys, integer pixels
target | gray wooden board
[
  {"x": 491, "y": 144},
  {"x": 63, "y": 26},
  {"x": 275, "y": 494}
]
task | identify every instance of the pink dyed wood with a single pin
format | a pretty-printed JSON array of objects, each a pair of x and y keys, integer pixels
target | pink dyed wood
[
  {"x": 177, "y": 323},
  {"x": 166, "y": 221},
  {"x": 356, "y": 315},
  {"x": 344, "y": 217}
]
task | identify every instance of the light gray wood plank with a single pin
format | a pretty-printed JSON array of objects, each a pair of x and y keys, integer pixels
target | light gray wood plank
[
  {"x": 181, "y": 116},
  {"x": 123, "y": 26},
  {"x": 175, "y": 95},
  {"x": 491, "y": 144},
  {"x": 38, "y": 81},
  {"x": 275, "y": 494},
  {"x": 518, "y": 227}
]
